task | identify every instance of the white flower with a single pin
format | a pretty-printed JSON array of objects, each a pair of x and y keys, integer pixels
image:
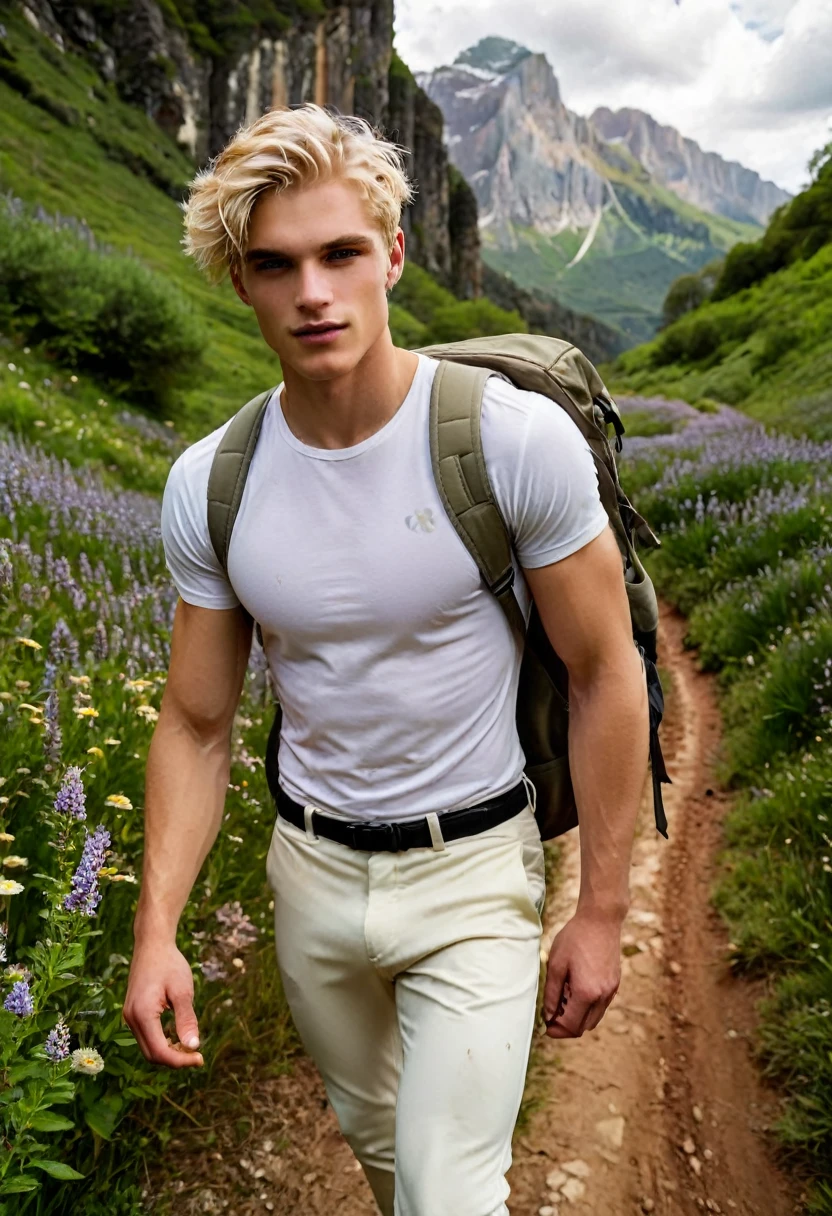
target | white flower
[
  {"x": 8, "y": 886},
  {"x": 87, "y": 1059},
  {"x": 14, "y": 862}
]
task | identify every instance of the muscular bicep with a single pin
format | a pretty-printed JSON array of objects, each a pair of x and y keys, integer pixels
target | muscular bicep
[
  {"x": 583, "y": 606},
  {"x": 210, "y": 649}
]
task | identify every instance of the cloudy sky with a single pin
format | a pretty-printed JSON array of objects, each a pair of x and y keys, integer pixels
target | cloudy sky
[{"x": 750, "y": 79}]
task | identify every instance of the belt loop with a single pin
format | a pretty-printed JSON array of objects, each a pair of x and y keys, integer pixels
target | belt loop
[
  {"x": 529, "y": 784},
  {"x": 308, "y": 812},
  {"x": 435, "y": 829}
]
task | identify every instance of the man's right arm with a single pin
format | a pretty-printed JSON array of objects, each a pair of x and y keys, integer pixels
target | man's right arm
[{"x": 187, "y": 776}]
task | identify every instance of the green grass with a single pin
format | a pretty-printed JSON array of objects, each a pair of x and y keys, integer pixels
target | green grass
[{"x": 766, "y": 350}]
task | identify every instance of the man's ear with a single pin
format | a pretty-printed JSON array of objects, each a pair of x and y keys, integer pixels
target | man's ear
[
  {"x": 234, "y": 274},
  {"x": 396, "y": 261}
]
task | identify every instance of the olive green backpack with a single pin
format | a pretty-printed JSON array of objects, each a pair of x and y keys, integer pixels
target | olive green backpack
[{"x": 561, "y": 372}]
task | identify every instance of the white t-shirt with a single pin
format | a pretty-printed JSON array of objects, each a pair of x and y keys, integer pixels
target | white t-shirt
[{"x": 395, "y": 666}]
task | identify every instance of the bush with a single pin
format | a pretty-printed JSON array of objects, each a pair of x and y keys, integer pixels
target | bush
[{"x": 101, "y": 312}]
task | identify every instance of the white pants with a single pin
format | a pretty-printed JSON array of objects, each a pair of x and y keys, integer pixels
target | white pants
[{"x": 412, "y": 979}]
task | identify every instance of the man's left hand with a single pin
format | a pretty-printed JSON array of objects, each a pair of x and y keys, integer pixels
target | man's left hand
[{"x": 582, "y": 975}]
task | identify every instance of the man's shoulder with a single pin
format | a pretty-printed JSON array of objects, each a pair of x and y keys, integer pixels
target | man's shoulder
[
  {"x": 512, "y": 416},
  {"x": 192, "y": 467}
]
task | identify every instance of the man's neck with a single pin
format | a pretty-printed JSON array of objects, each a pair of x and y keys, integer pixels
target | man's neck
[{"x": 345, "y": 411}]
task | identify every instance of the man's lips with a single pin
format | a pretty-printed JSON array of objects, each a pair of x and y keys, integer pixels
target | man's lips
[{"x": 319, "y": 329}]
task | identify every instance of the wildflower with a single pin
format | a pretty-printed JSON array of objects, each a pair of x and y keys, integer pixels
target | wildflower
[
  {"x": 8, "y": 886},
  {"x": 147, "y": 712},
  {"x": 122, "y": 877},
  {"x": 16, "y": 971},
  {"x": 23, "y": 684},
  {"x": 84, "y": 680},
  {"x": 85, "y": 895},
  {"x": 19, "y": 1000},
  {"x": 63, "y": 644},
  {"x": 119, "y": 800},
  {"x": 30, "y": 642},
  {"x": 57, "y": 1042},
  {"x": 71, "y": 799},
  {"x": 26, "y": 705},
  {"x": 95, "y": 751},
  {"x": 113, "y": 742},
  {"x": 6, "y": 836},
  {"x": 13, "y": 862},
  {"x": 138, "y": 685},
  {"x": 52, "y": 738},
  {"x": 86, "y": 711},
  {"x": 23, "y": 769},
  {"x": 88, "y": 1060}
]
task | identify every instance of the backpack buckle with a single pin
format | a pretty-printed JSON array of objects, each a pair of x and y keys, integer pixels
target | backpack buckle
[{"x": 504, "y": 583}]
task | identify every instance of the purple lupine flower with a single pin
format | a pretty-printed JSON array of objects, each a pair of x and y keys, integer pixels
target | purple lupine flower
[
  {"x": 57, "y": 1042},
  {"x": 52, "y": 735},
  {"x": 85, "y": 567},
  {"x": 71, "y": 799},
  {"x": 6, "y": 568},
  {"x": 99, "y": 646},
  {"x": 85, "y": 895},
  {"x": 62, "y": 644},
  {"x": 50, "y": 672},
  {"x": 19, "y": 1000}
]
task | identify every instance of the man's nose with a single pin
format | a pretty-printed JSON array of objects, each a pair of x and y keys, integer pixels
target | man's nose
[{"x": 313, "y": 290}]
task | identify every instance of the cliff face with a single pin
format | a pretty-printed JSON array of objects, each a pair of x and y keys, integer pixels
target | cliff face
[
  {"x": 702, "y": 178},
  {"x": 343, "y": 58}
]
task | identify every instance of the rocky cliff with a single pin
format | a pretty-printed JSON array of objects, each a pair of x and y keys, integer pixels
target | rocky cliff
[
  {"x": 200, "y": 83},
  {"x": 702, "y": 178}
]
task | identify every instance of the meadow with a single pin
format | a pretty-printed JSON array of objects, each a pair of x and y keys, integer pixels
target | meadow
[{"x": 745, "y": 520}]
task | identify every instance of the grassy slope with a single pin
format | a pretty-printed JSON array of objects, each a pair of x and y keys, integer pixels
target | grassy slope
[
  {"x": 66, "y": 169},
  {"x": 774, "y": 359}
]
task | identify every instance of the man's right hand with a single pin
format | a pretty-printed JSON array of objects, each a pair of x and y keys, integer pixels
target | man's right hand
[{"x": 160, "y": 978}]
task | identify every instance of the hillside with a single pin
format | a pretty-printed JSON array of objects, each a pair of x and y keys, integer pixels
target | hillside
[
  {"x": 563, "y": 211},
  {"x": 763, "y": 341}
]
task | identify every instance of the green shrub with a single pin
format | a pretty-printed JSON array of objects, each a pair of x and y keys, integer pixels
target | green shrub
[
  {"x": 473, "y": 319},
  {"x": 102, "y": 312}
]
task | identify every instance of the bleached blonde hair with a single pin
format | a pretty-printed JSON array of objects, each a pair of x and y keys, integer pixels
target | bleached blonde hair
[{"x": 289, "y": 147}]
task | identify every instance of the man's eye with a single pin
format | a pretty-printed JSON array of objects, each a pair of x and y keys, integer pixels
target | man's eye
[{"x": 349, "y": 251}]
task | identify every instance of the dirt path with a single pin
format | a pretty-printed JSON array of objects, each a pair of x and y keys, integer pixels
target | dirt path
[
  {"x": 657, "y": 1110},
  {"x": 660, "y": 1108}
]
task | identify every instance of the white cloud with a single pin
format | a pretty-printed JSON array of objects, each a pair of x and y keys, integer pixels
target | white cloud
[{"x": 749, "y": 79}]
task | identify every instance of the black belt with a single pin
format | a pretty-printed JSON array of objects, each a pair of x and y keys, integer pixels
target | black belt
[{"x": 409, "y": 833}]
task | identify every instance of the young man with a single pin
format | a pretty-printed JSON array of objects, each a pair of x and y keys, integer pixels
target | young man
[{"x": 412, "y": 975}]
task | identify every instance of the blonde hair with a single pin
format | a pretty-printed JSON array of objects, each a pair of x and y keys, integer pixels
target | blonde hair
[{"x": 283, "y": 148}]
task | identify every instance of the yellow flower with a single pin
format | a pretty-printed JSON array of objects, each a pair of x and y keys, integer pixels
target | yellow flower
[
  {"x": 22, "y": 684},
  {"x": 30, "y": 642},
  {"x": 95, "y": 751},
  {"x": 37, "y": 721},
  {"x": 85, "y": 680},
  {"x": 6, "y": 836},
  {"x": 8, "y": 886},
  {"x": 25, "y": 705},
  {"x": 113, "y": 742},
  {"x": 138, "y": 685},
  {"x": 6, "y": 696},
  {"x": 122, "y": 878},
  {"x": 147, "y": 712},
  {"x": 14, "y": 862},
  {"x": 86, "y": 711},
  {"x": 119, "y": 800}
]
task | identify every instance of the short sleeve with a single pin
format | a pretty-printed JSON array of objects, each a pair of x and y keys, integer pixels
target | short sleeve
[
  {"x": 542, "y": 473},
  {"x": 189, "y": 554}
]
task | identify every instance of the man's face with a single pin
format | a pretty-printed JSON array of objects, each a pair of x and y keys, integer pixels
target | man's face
[{"x": 293, "y": 281}]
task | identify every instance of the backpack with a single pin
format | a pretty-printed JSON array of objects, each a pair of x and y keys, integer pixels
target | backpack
[{"x": 558, "y": 370}]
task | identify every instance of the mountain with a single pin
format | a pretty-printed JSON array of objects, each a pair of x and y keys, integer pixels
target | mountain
[
  {"x": 701, "y": 178},
  {"x": 562, "y": 210}
]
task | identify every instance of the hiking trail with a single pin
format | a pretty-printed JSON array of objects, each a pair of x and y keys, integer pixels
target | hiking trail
[{"x": 659, "y": 1109}]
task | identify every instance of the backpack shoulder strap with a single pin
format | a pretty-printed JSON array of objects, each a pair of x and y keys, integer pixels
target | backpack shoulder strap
[
  {"x": 462, "y": 479},
  {"x": 229, "y": 471}
]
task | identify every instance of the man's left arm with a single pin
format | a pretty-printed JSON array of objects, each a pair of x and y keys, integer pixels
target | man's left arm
[{"x": 583, "y": 606}]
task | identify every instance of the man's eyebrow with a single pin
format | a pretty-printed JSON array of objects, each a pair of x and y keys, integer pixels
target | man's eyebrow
[{"x": 364, "y": 242}]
